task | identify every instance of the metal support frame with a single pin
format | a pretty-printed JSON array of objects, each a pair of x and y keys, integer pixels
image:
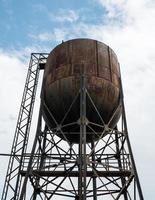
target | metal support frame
[
  {"x": 104, "y": 168},
  {"x": 129, "y": 146},
  {"x": 19, "y": 146}
]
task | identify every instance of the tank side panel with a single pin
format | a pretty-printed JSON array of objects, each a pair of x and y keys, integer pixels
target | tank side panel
[
  {"x": 103, "y": 61},
  {"x": 62, "y": 80}
]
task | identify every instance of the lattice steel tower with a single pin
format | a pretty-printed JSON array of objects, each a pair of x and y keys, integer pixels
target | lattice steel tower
[{"x": 81, "y": 148}]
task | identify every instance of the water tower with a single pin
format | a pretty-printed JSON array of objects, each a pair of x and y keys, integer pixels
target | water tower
[{"x": 81, "y": 148}]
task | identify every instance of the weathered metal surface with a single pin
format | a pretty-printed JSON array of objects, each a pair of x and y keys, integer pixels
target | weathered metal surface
[{"x": 62, "y": 82}]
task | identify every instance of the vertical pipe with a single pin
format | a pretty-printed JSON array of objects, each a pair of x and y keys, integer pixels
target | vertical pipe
[{"x": 82, "y": 145}]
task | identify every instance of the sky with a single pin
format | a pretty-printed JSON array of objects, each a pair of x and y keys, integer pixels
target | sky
[{"x": 127, "y": 26}]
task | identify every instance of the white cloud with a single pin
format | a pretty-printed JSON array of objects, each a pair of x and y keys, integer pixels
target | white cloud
[
  {"x": 114, "y": 8},
  {"x": 60, "y": 34},
  {"x": 45, "y": 36},
  {"x": 57, "y": 35},
  {"x": 12, "y": 76},
  {"x": 64, "y": 16}
]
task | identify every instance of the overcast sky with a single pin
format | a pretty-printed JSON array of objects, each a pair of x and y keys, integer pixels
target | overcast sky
[{"x": 127, "y": 26}]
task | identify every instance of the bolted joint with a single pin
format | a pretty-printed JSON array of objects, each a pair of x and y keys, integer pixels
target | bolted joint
[{"x": 83, "y": 121}]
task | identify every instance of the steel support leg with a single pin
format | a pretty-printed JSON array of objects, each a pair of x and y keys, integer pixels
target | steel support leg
[
  {"x": 94, "y": 177},
  {"x": 120, "y": 164},
  {"x": 82, "y": 145},
  {"x": 129, "y": 145},
  {"x": 29, "y": 168}
]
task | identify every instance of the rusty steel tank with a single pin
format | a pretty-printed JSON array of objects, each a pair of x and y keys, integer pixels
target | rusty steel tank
[{"x": 62, "y": 82}]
